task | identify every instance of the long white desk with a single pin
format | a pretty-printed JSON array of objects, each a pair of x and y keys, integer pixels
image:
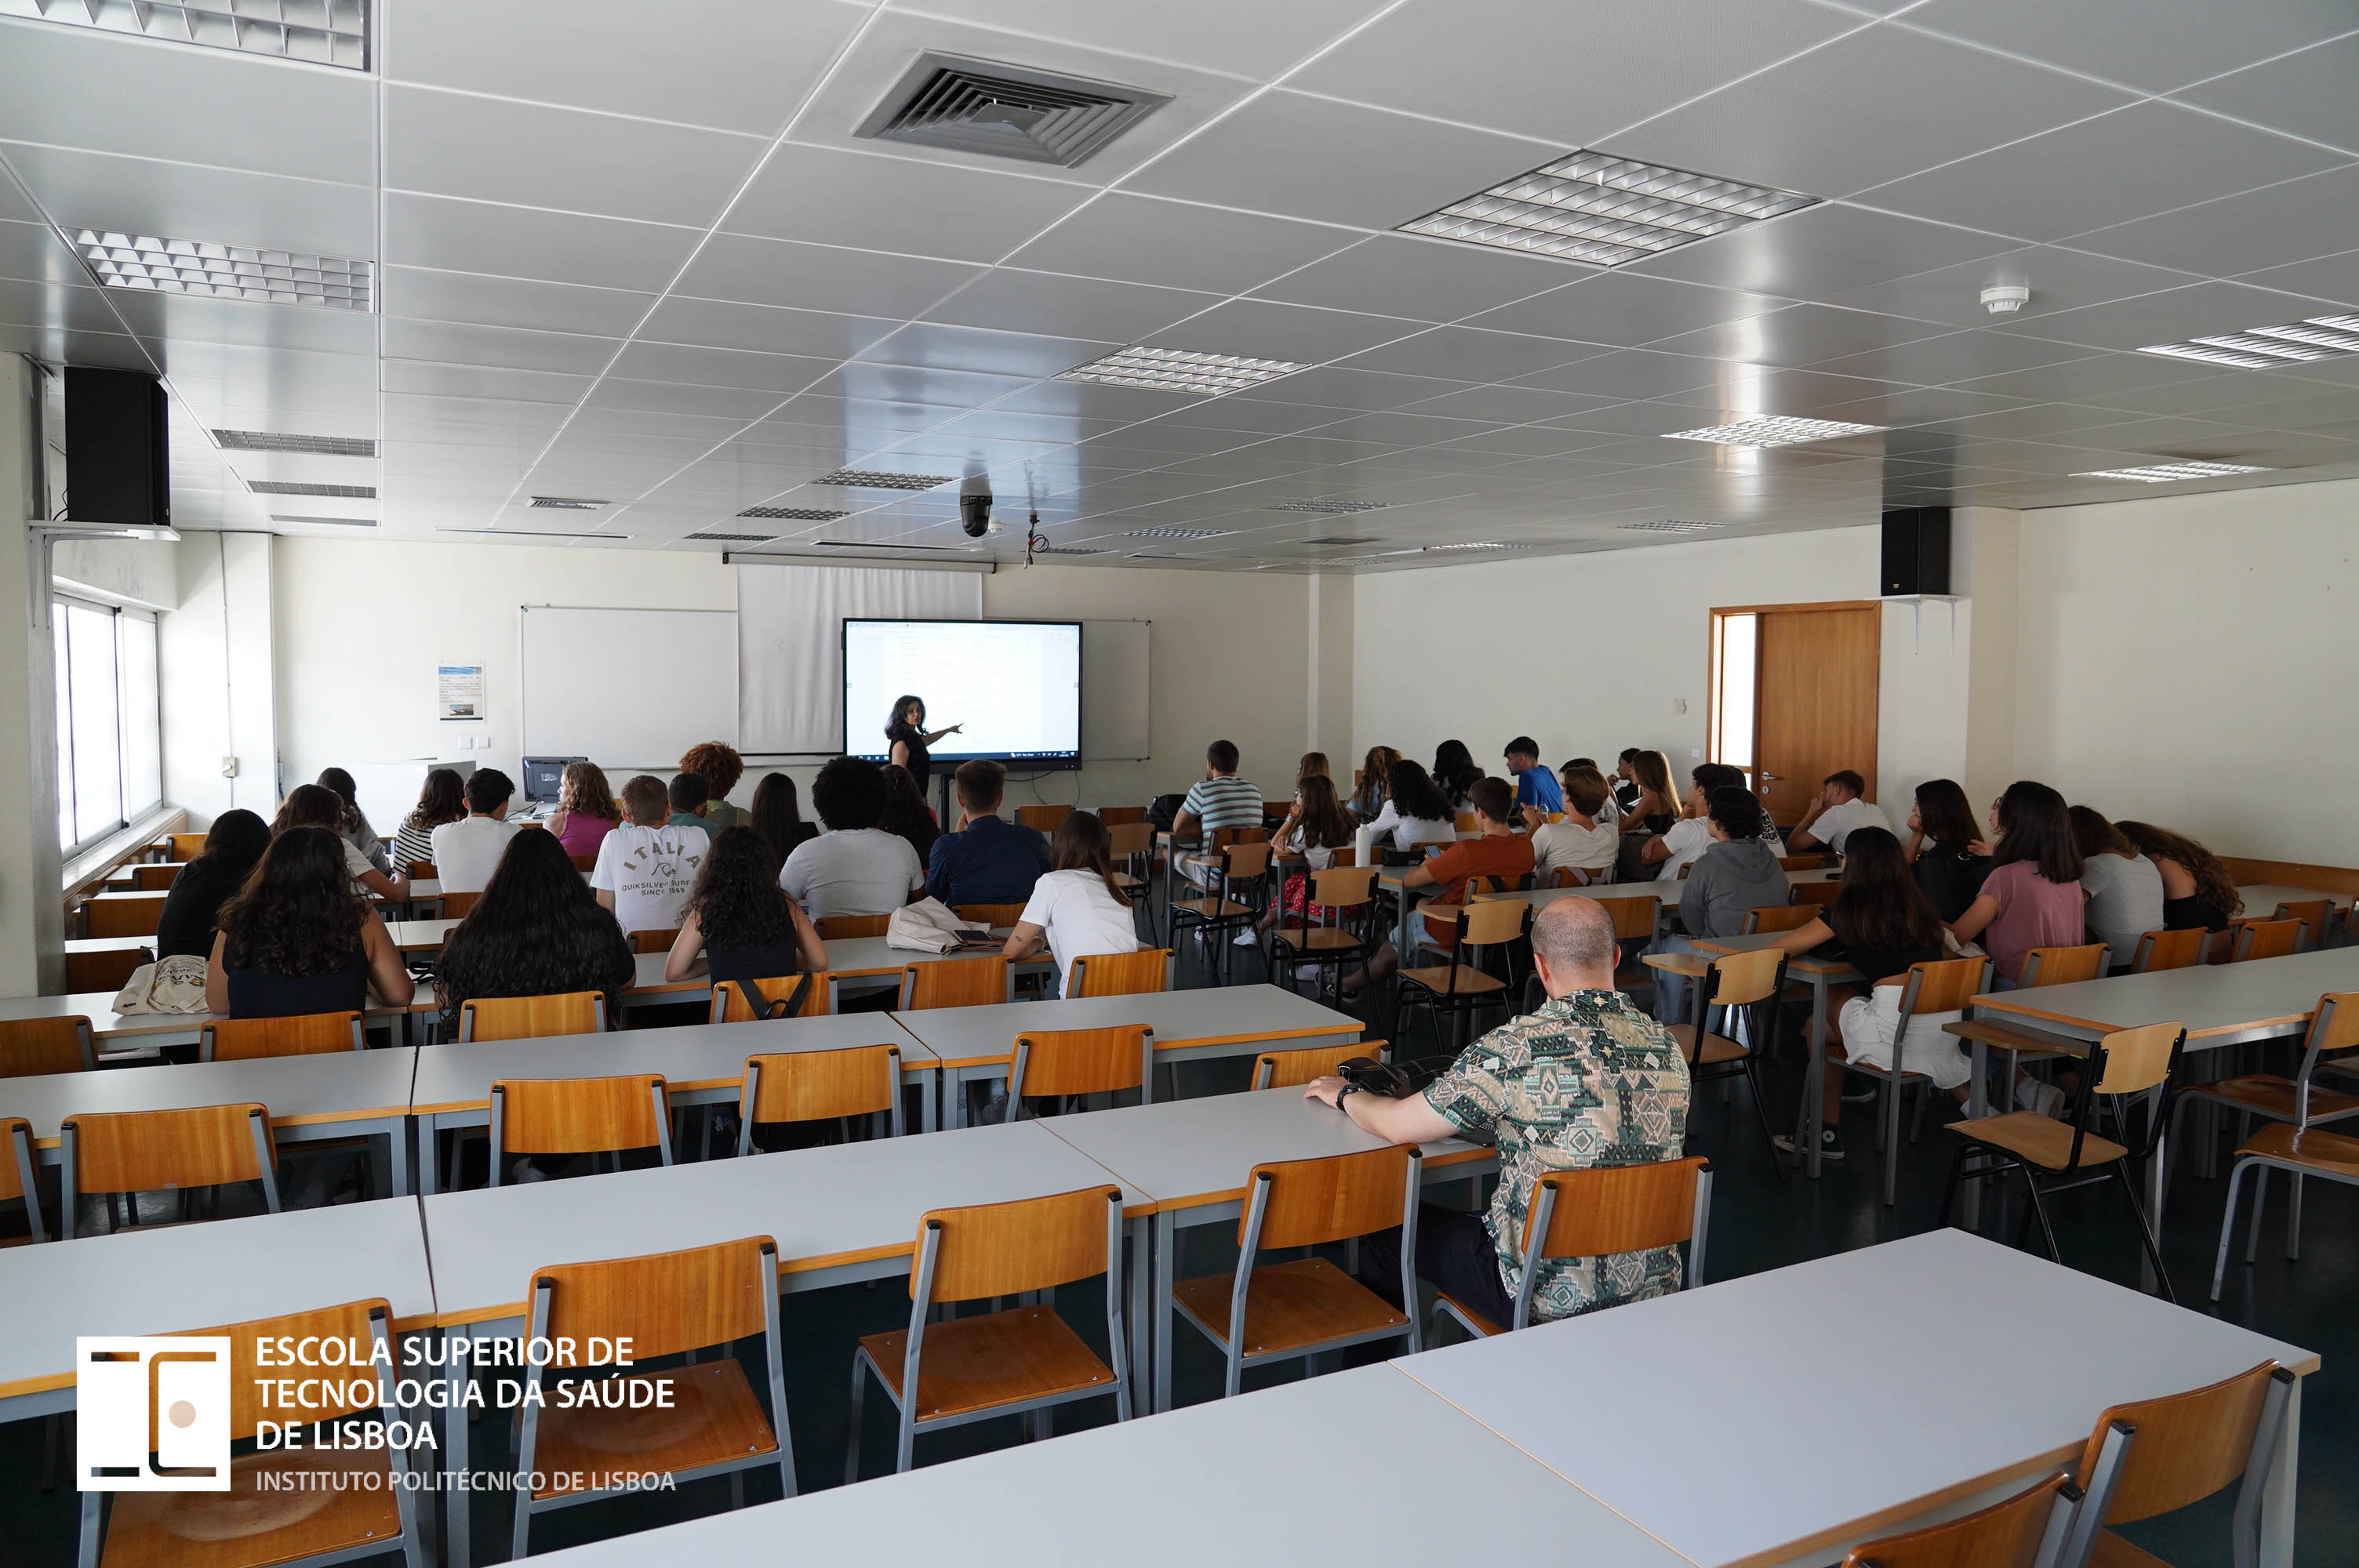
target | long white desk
[
  {"x": 136, "y": 1031},
  {"x": 974, "y": 1043},
  {"x": 1679, "y": 1413},
  {"x": 2221, "y": 1004}
]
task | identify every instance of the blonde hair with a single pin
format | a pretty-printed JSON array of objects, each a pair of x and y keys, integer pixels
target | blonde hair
[
  {"x": 1653, "y": 772},
  {"x": 582, "y": 790},
  {"x": 1312, "y": 764}
]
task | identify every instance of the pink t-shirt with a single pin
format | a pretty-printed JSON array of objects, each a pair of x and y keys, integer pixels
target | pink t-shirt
[
  {"x": 2032, "y": 913},
  {"x": 583, "y": 833}
]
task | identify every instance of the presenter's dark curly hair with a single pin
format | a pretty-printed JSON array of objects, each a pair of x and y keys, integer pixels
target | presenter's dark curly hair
[
  {"x": 737, "y": 902},
  {"x": 296, "y": 915},
  {"x": 537, "y": 930},
  {"x": 896, "y": 726}
]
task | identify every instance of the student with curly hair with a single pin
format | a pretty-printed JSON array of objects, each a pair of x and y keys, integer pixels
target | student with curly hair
[
  {"x": 2197, "y": 888},
  {"x": 443, "y": 798},
  {"x": 720, "y": 767},
  {"x": 585, "y": 808},
  {"x": 294, "y": 940},
  {"x": 536, "y": 931},
  {"x": 855, "y": 866},
  {"x": 738, "y": 924}
]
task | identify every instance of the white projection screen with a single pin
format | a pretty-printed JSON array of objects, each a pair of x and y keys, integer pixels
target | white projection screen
[{"x": 1014, "y": 687}]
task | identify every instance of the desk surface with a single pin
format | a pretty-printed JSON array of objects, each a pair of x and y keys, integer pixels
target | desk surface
[
  {"x": 458, "y": 1077},
  {"x": 420, "y": 936},
  {"x": 1799, "y": 964},
  {"x": 875, "y": 956},
  {"x": 648, "y": 976},
  {"x": 2255, "y": 998},
  {"x": 1695, "y": 1381},
  {"x": 846, "y": 1202},
  {"x": 1287, "y": 1476},
  {"x": 165, "y": 1279},
  {"x": 106, "y": 1024},
  {"x": 344, "y": 1085},
  {"x": 1213, "y": 1015},
  {"x": 108, "y": 943},
  {"x": 2261, "y": 899}
]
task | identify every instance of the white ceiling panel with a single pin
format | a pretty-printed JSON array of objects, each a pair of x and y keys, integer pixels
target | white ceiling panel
[
  {"x": 471, "y": 298},
  {"x": 1433, "y": 280},
  {"x": 2151, "y": 44},
  {"x": 2295, "y": 220},
  {"x": 938, "y": 345},
  {"x": 2059, "y": 279},
  {"x": 724, "y": 324},
  {"x": 430, "y": 379},
  {"x": 507, "y": 348},
  {"x": 1622, "y": 309},
  {"x": 1179, "y": 244},
  {"x": 1296, "y": 334},
  {"x": 885, "y": 201},
  {"x": 2305, "y": 94},
  {"x": 1010, "y": 300},
  {"x": 190, "y": 318},
  {"x": 451, "y": 235},
  {"x": 721, "y": 368},
  {"x": 2170, "y": 316},
  {"x": 33, "y": 253},
  {"x": 57, "y": 307},
  {"x": 1824, "y": 250},
  {"x": 1241, "y": 37},
  {"x": 224, "y": 206},
  {"x": 821, "y": 278},
  {"x": 2330, "y": 278}
]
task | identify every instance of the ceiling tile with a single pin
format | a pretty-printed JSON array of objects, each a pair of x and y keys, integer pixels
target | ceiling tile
[
  {"x": 1010, "y": 300},
  {"x": 1622, "y": 309},
  {"x": 99, "y": 191},
  {"x": 432, "y": 379},
  {"x": 2294, "y": 221},
  {"x": 936, "y": 344},
  {"x": 1470, "y": 354},
  {"x": 528, "y": 241},
  {"x": 503, "y": 347},
  {"x": 242, "y": 321},
  {"x": 1179, "y": 244},
  {"x": 32, "y": 252},
  {"x": 1798, "y": 335},
  {"x": 821, "y": 278},
  {"x": 722, "y": 324},
  {"x": 1954, "y": 356},
  {"x": 511, "y": 302},
  {"x": 909, "y": 203},
  {"x": 57, "y": 307},
  {"x": 2170, "y": 316},
  {"x": 1433, "y": 280},
  {"x": 1241, "y": 37},
  {"x": 1260, "y": 329},
  {"x": 2059, "y": 279},
  {"x": 2327, "y": 278},
  {"x": 1627, "y": 372},
  {"x": 2153, "y": 44},
  {"x": 2091, "y": 380},
  {"x": 1823, "y": 251},
  {"x": 2306, "y": 94},
  {"x": 621, "y": 396}
]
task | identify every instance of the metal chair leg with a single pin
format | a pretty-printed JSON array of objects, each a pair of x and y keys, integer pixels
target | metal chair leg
[
  {"x": 2125, "y": 1179},
  {"x": 1761, "y": 1112},
  {"x": 2293, "y": 1221},
  {"x": 851, "y": 1425},
  {"x": 2039, "y": 1212},
  {"x": 2228, "y": 1225},
  {"x": 2260, "y": 1201},
  {"x": 1949, "y": 1187}
]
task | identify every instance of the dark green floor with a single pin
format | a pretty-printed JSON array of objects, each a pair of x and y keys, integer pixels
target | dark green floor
[{"x": 1757, "y": 1224}]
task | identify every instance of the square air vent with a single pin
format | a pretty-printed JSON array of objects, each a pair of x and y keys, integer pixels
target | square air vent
[
  {"x": 284, "y": 487},
  {"x": 1066, "y": 550},
  {"x": 1006, "y": 111},
  {"x": 794, "y": 513},
  {"x": 566, "y": 503},
  {"x": 338, "y": 522},
  {"x": 317, "y": 446},
  {"x": 1338, "y": 541},
  {"x": 870, "y": 478},
  {"x": 710, "y": 535},
  {"x": 1330, "y": 505}
]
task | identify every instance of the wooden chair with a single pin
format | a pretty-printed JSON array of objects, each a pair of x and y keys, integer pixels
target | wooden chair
[
  {"x": 1218, "y": 915},
  {"x": 20, "y": 1177},
  {"x": 1055, "y": 1063},
  {"x": 1596, "y": 1213},
  {"x": 585, "y": 864},
  {"x": 1044, "y": 819},
  {"x": 105, "y": 971},
  {"x": 306, "y": 1034},
  {"x": 1131, "y": 847},
  {"x": 153, "y": 879},
  {"x": 2282, "y": 1146},
  {"x": 1122, "y": 974},
  {"x": 1816, "y": 896},
  {"x": 1346, "y": 896},
  {"x": 653, "y": 941},
  {"x": 2026, "y": 1530},
  {"x": 33, "y": 1047},
  {"x": 1635, "y": 915},
  {"x": 186, "y": 846},
  {"x": 364, "y": 1511},
  {"x": 2062, "y": 965},
  {"x": 2159, "y": 1455},
  {"x": 819, "y": 1086},
  {"x": 1464, "y": 822},
  {"x": 1456, "y": 987},
  {"x": 1941, "y": 985},
  {"x": 532, "y": 1017},
  {"x": 2181, "y": 950},
  {"x": 844, "y": 927},
  {"x": 1023, "y": 1360},
  {"x": 2333, "y": 1029},
  {"x": 459, "y": 905},
  {"x": 2042, "y": 967},
  {"x": 2317, "y": 917},
  {"x": 1790, "y": 863},
  {"x": 1752, "y": 982},
  {"x": 123, "y": 914},
  {"x": 2126, "y": 1062},
  {"x": 134, "y": 1152},
  {"x": 729, "y": 1004},
  {"x": 1292, "y": 1069},
  {"x": 1285, "y": 1310},
  {"x": 978, "y": 981},
  {"x": 668, "y": 1303},
  {"x": 997, "y": 915},
  {"x": 2264, "y": 939},
  {"x": 1121, "y": 816},
  {"x": 579, "y": 1116},
  {"x": 422, "y": 870},
  {"x": 1779, "y": 917}
]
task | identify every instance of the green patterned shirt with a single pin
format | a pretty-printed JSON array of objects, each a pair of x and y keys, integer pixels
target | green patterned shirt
[{"x": 1587, "y": 1080}]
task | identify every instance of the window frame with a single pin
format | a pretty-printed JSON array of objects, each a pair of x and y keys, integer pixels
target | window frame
[{"x": 62, "y": 604}]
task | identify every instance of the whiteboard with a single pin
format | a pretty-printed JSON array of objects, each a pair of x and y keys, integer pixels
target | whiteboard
[
  {"x": 628, "y": 688},
  {"x": 1114, "y": 690}
]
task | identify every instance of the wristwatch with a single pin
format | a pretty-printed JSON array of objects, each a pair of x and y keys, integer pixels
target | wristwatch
[{"x": 1349, "y": 1088}]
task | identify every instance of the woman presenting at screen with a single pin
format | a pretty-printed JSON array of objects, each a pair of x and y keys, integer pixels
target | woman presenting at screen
[{"x": 906, "y": 730}]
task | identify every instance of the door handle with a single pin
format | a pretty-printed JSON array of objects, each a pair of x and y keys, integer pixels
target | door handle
[{"x": 1769, "y": 778}]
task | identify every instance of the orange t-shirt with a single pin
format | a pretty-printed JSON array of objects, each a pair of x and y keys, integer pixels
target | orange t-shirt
[{"x": 1506, "y": 855}]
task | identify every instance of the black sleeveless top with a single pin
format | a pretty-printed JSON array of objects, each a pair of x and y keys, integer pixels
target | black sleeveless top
[
  {"x": 768, "y": 961},
  {"x": 2193, "y": 910},
  {"x": 256, "y": 993},
  {"x": 921, "y": 761}
]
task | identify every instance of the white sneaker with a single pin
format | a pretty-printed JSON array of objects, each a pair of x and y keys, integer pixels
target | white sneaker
[
  {"x": 1306, "y": 972},
  {"x": 525, "y": 1171},
  {"x": 2041, "y": 1098},
  {"x": 1245, "y": 938}
]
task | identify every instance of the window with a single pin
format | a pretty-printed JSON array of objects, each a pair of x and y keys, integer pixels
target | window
[
  {"x": 1735, "y": 644},
  {"x": 109, "y": 735}
]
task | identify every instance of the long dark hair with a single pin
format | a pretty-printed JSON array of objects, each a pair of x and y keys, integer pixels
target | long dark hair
[
  {"x": 1375, "y": 778},
  {"x": 2034, "y": 826},
  {"x": 310, "y": 806},
  {"x": 898, "y": 728},
  {"x": 1416, "y": 794},
  {"x": 905, "y": 811},
  {"x": 443, "y": 798},
  {"x": 779, "y": 817},
  {"x": 2213, "y": 884},
  {"x": 1454, "y": 768},
  {"x": 1879, "y": 903},
  {"x": 537, "y": 930},
  {"x": 233, "y": 844},
  {"x": 1080, "y": 843},
  {"x": 1944, "y": 817},
  {"x": 296, "y": 915},
  {"x": 1323, "y": 823},
  {"x": 2092, "y": 835},
  {"x": 737, "y": 902},
  {"x": 340, "y": 785}
]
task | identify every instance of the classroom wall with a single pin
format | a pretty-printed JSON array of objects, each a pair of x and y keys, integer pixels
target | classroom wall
[
  {"x": 31, "y": 918},
  {"x": 144, "y": 572},
  {"x": 217, "y": 678}
]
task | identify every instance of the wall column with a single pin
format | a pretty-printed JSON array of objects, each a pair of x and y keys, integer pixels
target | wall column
[{"x": 32, "y": 905}]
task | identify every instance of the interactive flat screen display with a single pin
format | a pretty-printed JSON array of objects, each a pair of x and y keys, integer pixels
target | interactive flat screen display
[{"x": 1014, "y": 688}]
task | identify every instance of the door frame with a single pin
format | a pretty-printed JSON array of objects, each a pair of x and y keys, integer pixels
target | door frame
[{"x": 1711, "y": 673}]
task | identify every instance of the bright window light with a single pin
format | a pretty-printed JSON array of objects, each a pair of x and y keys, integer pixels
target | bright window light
[
  {"x": 1773, "y": 432},
  {"x": 324, "y": 32},
  {"x": 2297, "y": 343},
  {"x": 1594, "y": 207},
  {"x": 1176, "y": 370},
  {"x": 154, "y": 266},
  {"x": 2165, "y": 473}
]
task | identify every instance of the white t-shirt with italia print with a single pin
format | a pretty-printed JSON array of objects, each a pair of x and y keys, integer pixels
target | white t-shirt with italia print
[{"x": 650, "y": 872}]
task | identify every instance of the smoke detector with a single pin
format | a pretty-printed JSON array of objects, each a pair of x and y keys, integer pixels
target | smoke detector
[{"x": 2005, "y": 299}]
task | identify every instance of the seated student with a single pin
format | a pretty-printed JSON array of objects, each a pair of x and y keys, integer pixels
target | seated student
[
  {"x": 1736, "y": 875},
  {"x": 294, "y": 940},
  {"x": 1583, "y": 840},
  {"x": 1945, "y": 848},
  {"x": 585, "y": 808},
  {"x": 648, "y": 866},
  {"x": 1456, "y": 771},
  {"x": 1218, "y": 800},
  {"x": 536, "y": 931},
  {"x": 1609, "y": 813},
  {"x": 1535, "y": 785},
  {"x": 443, "y": 798},
  {"x": 1632, "y": 1108},
  {"x": 2124, "y": 889},
  {"x": 354, "y": 828},
  {"x": 1690, "y": 836},
  {"x": 987, "y": 859},
  {"x": 1314, "y": 762},
  {"x": 907, "y": 815},
  {"x": 1837, "y": 810},
  {"x": 1415, "y": 810},
  {"x": 778, "y": 816},
  {"x": 720, "y": 767},
  {"x": 1656, "y": 806},
  {"x": 2032, "y": 896},
  {"x": 467, "y": 851},
  {"x": 193, "y": 906},
  {"x": 1075, "y": 910},
  {"x": 855, "y": 866},
  {"x": 1494, "y": 852},
  {"x": 1315, "y": 829},
  {"x": 315, "y": 805},
  {"x": 1313, "y": 766},
  {"x": 738, "y": 924},
  {"x": 2197, "y": 893},
  {"x": 1625, "y": 784},
  {"x": 1376, "y": 782},
  {"x": 689, "y": 795}
]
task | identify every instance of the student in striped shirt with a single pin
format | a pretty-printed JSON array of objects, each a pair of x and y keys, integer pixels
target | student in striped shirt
[{"x": 1220, "y": 799}]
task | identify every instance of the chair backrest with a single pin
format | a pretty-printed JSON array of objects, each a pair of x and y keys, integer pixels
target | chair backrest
[
  {"x": 1490, "y": 924},
  {"x": 123, "y": 914},
  {"x": 1635, "y": 914},
  {"x": 459, "y": 905},
  {"x": 1007, "y": 1249},
  {"x": 991, "y": 915},
  {"x": 583, "y": 862},
  {"x": 109, "y": 969},
  {"x": 2186, "y": 1446},
  {"x": 422, "y": 870},
  {"x": 304, "y": 1398},
  {"x": 1331, "y": 1198},
  {"x": 32, "y": 1046},
  {"x": 1121, "y": 974},
  {"x": 1223, "y": 838},
  {"x": 1292, "y": 1069},
  {"x": 1616, "y": 1208},
  {"x": 841, "y": 927},
  {"x": 1123, "y": 816},
  {"x": 2004, "y": 1535},
  {"x": 1124, "y": 839},
  {"x": 1739, "y": 979},
  {"x": 531, "y": 1017},
  {"x": 729, "y": 998},
  {"x": 1781, "y": 917},
  {"x": 153, "y": 879},
  {"x": 1818, "y": 894},
  {"x": 2061, "y": 966},
  {"x": 1241, "y": 862},
  {"x": 819, "y": 1085},
  {"x": 19, "y": 1174},
  {"x": 579, "y": 1116},
  {"x": 1465, "y": 822},
  {"x": 2181, "y": 950},
  {"x": 186, "y": 846},
  {"x": 664, "y": 1303},
  {"x": 1343, "y": 887},
  {"x": 2265, "y": 939},
  {"x": 2335, "y": 1025},
  {"x": 653, "y": 941},
  {"x": 1079, "y": 1061},
  {"x": 305, "y": 1034},
  {"x": 2137, "y": 1059},
  {"x": 1046, "y": 818},
  {"x": 955, "y": 982},
  {"x": 2315, "y": 914},
  {"x": 144, "y": 1150},
  {"x": 1800, "y": 863},
  {"x": 1943, "y": 985}
]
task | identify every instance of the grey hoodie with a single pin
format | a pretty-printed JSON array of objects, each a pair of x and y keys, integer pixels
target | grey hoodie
[{"x": 1731, "y": 878}]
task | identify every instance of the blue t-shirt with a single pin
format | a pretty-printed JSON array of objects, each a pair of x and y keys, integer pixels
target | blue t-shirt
[
  {"x": 990, "y": 861},
  {"x": 1537, "y": 786}
]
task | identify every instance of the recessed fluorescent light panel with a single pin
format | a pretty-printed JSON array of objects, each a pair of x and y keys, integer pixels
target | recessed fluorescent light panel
[
  {"x": 732, "y": 538},
  {"x": 2165, "y": 473},
  {"x": 868, "y": 478},
  {"x": 793, "y": 513},
  {"x": 335, "y": 522},
  {"x": 156, "y": 266},
  {"x": 566, "y": 503},
  {"x": 1338, "y": 541},
  {"x": 1670, "y": 526},
  {"x": 1596, "y": 207},
  {"x": 1483, "y": 545},
  {"x": 863, "y": 545},
  {"x": 318, "y": 446},
  {"x": 2297, "y": 343},
  {"x": 284, "y": 487},
  {"x": 1178, "y": 533},
  {"x": 1066, "y": 550},
  {"x": 1773, "y": 432},
  {"x": 528, "y": 534},
  {"x": 1176, "y": 370},
  {"x": 1333, "y": 507},
  {"x": 324, "y": 32}
]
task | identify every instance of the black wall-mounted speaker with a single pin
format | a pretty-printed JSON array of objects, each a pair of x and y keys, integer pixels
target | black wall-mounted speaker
[
  {"x": 1916, "y": 551},
  {"x": 118, "y": 451}
]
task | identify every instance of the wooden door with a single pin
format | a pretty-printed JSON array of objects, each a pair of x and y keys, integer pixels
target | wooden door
[{"x": 1815, "y": 708}]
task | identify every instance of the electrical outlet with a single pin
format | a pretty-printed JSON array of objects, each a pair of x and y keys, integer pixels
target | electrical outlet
[
  {"x": 229, "y": 767},
  {"x": 1678, "y": 705},
  {"x": 1695, "y": 752}
]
